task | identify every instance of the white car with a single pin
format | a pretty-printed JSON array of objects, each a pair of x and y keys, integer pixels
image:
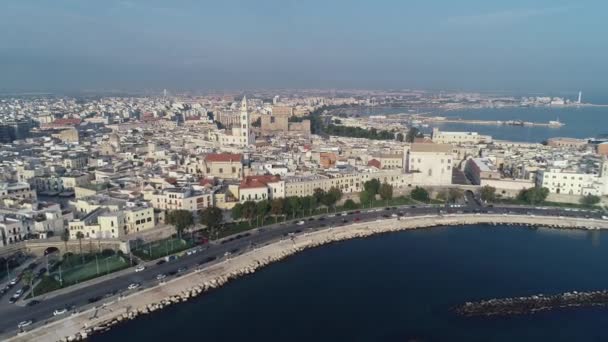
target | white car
[
  {"x": 134, "y": 286},
  {"x": 13, "y": 281},
  {"x": 24, "y": 324},
  {"x": 393, "y": 215},
  {"x": 161, "y": 277},
  {"x": 59, "y": 312},
  {"x": 300, "y": 223},
  {"x": 140, "y": 268}
]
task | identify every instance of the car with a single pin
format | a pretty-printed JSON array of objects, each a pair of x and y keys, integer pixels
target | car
[
  {"x": 321, "y": 218},
  {"x": 60, "y": 312},
  {"x": 161, "y": 277},
  {"x": 387, "y": 208},
  {"x": 344, "y": 221},
  {"x": 323, "y": 225},
  {"x": 32, "y": 302},
  {"x": 331, "y": 215},
  {"x": 300, "y": 223},
  {"x": 357, "y": 211},
  {"x": 140, "y": 268},
  {"x": 134, "y": 286},
  {"x": 13, "y": 282},
  {"x": 161, "y": 261},
  {"x": 24, "y": 324},
  {"x": 394, "y": 215},
  {"x": 13, "y": 299},
  {"x": 181, "y": 270},
  {"x": 357, "y": 219},
  {"x": 311, "y": 219}
]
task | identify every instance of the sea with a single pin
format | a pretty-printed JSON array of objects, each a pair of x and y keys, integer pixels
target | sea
[
  {"x": 579, "y": 122},
  {"x": 399, "y": 287}
]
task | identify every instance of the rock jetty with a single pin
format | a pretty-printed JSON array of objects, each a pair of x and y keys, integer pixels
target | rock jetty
[{"x": 532, "y": 304}]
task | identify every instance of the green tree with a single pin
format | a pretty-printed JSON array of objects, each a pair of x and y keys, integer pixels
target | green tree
[
  {"x": 276, "y": 208},
  {"x": 420, "y": 194},
  {"x": 349, "y": 204},
  {"x": 318, "y": 194},
  {"x": 80, "y": 236},
  {"x": 487, "y": 193},
  {"x": 249, "y": 211},
  {"x": 372, "y": 186},
  {"x": 28, "y": 278},
  {"x": 365, "y": 198},
  {"x": 180, "y": 219},
  {"x": 237, "y": 212},
  {"x": 454, "y": 194},
  {"x": 400, "y": 137},
  {"x": 590, "y": 200},
  {"x": 293, "y": 205},
  {"x": 211, "y": 217},
  {"x": 386, "y": 191},
  {"x": 332, "y": 197},
  {"x": 65, "y": 237},
  {"x": 413, "y": 133},
  {"x": 533, "y": 195},
  {"x": 262, "y": 208}
]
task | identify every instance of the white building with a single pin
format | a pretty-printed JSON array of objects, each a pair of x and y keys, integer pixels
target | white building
[
  {"x": 457, "y": 138},
  {"x": 242, "y": 135},
  {"x": 560, "y": 181},
  {"x": 430, "y": 163}
]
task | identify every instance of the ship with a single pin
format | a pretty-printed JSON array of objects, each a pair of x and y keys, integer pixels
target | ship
[{"x": 555, "y": 123}]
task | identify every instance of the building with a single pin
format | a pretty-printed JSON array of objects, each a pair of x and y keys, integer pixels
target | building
[
  {"x": 222, "y": 165},
  {"x": 241, "y": 134},
  {"x": 182, "y": 198},
  {"x": 477, "y": 169},
  {"x": 457, "y": 138},
  {"x": 17, "y": 190},
  {"x": 431, "y": 163},
  {"x": 104, "y": 223},
  {"x": 571, "y": 182},
  {"x": 12, "y": 230},
  {"x": 602, "y": 149},
  {"x": 259, "y": 188},
  {"x": 567, "y": 142},
  {"x": 389, "y": 161}
]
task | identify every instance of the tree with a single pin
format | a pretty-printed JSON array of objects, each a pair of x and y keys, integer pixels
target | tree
[
  {"x": 413, "y": 133},
  {"x": 349, "y": 204},
  {"x": 332, "y": 197},
  {"x": 420, "y": 194},
  {"x": 28, "y": 278},
  {"x": 365, "y": 198},
  {"x": 65, "y": 237},
  {"x": 533, "y": 195},
  {"x": 80, "y": 236},
  {"x": 488, "y": 193},
  {"x": 318, "y": 194},
  {"x": 590, "y": 200},
  {"x": 293, "y": 205},
  {"x": 249, "y": 211},
  {"x": 237, "y": 211},
  {"x": 386, "y": 191},
  {"x": 211, "y": 217},
  {"x": 276, "y": 208},
  {"x": 454, "y": 194},
  {"x": 372, "y": 186},
  {"x": 181, "y": 219},
  {"x": 400, "y": 137},
  {"x": 261, "y": 209}
]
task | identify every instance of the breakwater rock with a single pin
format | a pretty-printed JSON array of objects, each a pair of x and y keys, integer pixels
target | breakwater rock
[{"x": 532, "y": 304}]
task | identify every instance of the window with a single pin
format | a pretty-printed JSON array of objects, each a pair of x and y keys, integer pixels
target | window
[
  {"x": 221, "y": 170},
  {"x": 233, "y": 169}
]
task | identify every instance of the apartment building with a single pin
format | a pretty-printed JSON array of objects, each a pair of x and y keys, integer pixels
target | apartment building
[
  {"x": 104, "y": 223},
  {"x": 182, "y": 198},
  {"x": 259, "y": 188},
  {"x": 477, "y": 169},
  {"x": 457, "y": 138},
  {"x": 17, "y": 190}
]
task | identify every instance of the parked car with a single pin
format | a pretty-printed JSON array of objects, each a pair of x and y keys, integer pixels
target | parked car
[
  {"x": 140, "y": 268},
  {"x": 161, "y": 277},
  {"x": 134, "y": 286},
  {"x": 24, "y": 324},
  {"x": 300, "y": 223}
]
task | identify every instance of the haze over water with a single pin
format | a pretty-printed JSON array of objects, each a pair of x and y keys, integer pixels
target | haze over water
[{"x": 399, "y": 287}]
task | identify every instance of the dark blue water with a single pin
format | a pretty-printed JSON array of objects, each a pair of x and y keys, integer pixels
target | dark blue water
[
  {"x": 399, "y": 287},
  {"x": 580, "y": 122}
]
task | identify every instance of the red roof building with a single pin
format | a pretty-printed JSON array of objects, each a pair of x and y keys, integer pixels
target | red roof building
[
  {"x": 223, "y": 157},
  {"x": 375, "y": 163},
  {"x": 251, "y": 182}
]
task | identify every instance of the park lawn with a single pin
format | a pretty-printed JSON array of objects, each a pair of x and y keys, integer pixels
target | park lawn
[
  {"x": 161, "y": 248},
  {"x": 73, "y": 271},
  {"x": 548, "y": 204}
]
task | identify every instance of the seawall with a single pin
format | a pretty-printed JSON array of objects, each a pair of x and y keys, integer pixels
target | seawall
[{"x": 95, "y": 320}]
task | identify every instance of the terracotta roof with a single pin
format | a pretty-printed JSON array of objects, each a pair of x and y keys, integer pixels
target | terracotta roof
[
  {"x": 374, "y": 162},
  {"x": 223, "y": 157},
  {"x": 251, "y": 182},
  {"x": 67, "y": 121}
]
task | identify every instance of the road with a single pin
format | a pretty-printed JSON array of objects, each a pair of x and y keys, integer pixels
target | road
[{"x": 80, "y": 296}]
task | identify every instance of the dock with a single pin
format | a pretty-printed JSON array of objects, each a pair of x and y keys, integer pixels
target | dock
[{"x": 554, "y": 124}]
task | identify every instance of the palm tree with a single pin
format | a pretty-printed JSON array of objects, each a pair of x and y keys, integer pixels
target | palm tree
[
  {"x": 65, "y": 237},
  {"x": 80, "y": 236}
]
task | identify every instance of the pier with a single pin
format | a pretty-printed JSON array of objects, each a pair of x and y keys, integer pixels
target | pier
[
  {"x": 532, "y": 304},
  {"x": 494, "y": 122}
]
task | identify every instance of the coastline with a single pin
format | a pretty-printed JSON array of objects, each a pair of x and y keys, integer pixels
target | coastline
[{"x": 181, "y": 289}]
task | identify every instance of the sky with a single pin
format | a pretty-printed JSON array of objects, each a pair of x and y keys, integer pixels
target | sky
[{"x": 514, "y": 45}]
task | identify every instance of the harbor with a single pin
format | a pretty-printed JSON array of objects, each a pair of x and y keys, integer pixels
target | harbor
[{"x": 441, "y": 119}]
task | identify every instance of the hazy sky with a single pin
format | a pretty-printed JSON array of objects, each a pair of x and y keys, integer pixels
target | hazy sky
[{"x": 548, "y": 45}]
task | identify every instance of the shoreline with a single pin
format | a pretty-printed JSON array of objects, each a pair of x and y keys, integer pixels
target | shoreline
[{"x": 102, "y": 318}]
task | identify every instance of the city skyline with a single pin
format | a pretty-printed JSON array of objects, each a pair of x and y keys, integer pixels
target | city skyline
[{"x": 134, "y": 45}]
